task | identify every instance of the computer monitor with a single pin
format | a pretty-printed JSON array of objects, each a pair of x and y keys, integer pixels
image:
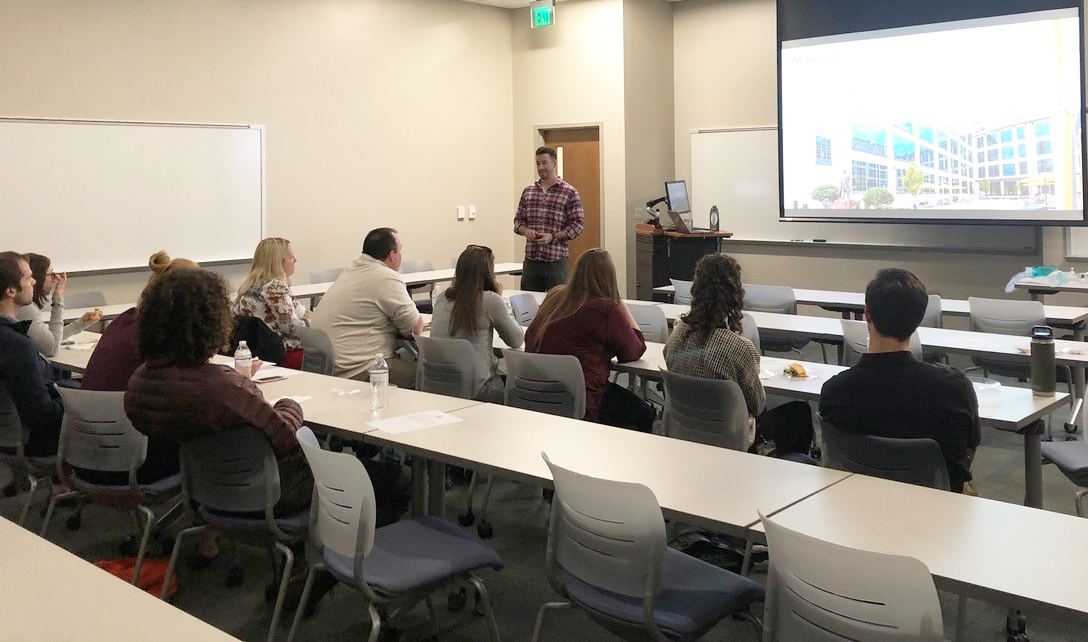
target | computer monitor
[{"x": 677, "y": 193}]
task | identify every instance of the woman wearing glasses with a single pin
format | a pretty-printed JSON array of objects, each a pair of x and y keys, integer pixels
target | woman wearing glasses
[
  {"x": 472, "y": 308},
  {"x": 49, "y": 286}
]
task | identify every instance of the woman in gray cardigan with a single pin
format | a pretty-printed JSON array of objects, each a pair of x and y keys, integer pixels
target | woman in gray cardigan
[
  {"x": 472, "y": 308},
  {"x": 49, "y": 286}
]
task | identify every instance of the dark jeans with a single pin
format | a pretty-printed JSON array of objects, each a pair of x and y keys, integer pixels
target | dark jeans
[
  {"x": 789, "y": 426},
  {"x": 541, "y": 276},
  {"x": 622, "y": 408}
]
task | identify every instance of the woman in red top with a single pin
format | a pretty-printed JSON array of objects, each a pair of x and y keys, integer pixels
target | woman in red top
[{"x": 585, "y": 318}]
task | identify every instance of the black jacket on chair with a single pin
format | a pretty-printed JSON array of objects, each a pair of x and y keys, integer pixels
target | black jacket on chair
[{"x": 262, "y": 340}]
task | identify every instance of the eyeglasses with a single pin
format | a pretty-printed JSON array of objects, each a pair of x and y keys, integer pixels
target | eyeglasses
[{"x": 51, "y": 275}]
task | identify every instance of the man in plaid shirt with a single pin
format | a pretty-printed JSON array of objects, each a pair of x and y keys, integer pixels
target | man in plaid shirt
[{"x": 549, "y": 215}]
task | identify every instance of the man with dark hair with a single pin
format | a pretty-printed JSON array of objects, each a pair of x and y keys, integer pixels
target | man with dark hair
[
  {"x": 367, "y": 308},
  {"x": 549, "y": 216},
  {"x": 25, "y": 377},
  {"x": 890, "y": 394}
]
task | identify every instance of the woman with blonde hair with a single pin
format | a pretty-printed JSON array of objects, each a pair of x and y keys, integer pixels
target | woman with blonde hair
[
  {"x": 472, "y": 308},
  {"x": 586, "y": 318},
  {"x": 266, "y": 295}
]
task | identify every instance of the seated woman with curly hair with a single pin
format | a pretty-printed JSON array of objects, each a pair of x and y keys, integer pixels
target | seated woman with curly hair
[
  {"x": 706, "y": 342},
  {"x": 183, "y": 319}
]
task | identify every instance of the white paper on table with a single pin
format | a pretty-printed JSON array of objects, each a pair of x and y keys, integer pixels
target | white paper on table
[
  {"x": 267, "y": 371},
  {"x": 296, "y": 398},
  {"x": 416, "y": 421}
]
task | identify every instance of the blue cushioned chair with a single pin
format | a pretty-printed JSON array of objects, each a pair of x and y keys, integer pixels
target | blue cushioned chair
[
  {"x": 96, "y": 435},
  {"x": 607, "y": 556},
  {"x": 396, "y": 566},
  {"x": 234, "y": 479}
]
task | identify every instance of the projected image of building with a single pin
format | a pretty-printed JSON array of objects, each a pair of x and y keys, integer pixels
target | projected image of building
[{"x": 1016, "y": 165}]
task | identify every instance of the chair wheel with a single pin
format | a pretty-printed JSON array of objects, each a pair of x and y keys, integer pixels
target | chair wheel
[
  {"x": 466, "y": 519},
  {"x": 484, "y": 530},
  {"x": 129, "y": 547},
  {"x": 74, "y": 521},
  {"x": 235, "y": 575},
  {"x": 1069, "y": 428},
  {"x": 456, "y": 601},
  {"x": 1019, "y": 637}
]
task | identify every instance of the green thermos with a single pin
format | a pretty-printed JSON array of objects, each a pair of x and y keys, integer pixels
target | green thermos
[{"x": 1043, "y": 368}]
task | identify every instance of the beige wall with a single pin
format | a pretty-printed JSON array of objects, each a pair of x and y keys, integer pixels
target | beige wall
[
  {"x": 378, "y": 112},
  {"x": 648, "y": 105},
  {"x": 726, "y": 76},
  {"x": 569, "y": 75}
]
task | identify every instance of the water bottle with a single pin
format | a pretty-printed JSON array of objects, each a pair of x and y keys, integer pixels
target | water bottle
[
  {"x": 379, "y": 384},
  {"x": 1043, "y": 374},
  {"x": 243, "y": 359}
]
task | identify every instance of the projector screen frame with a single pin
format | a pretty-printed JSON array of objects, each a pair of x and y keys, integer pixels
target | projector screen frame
[{"x": 1082, "y": 116}]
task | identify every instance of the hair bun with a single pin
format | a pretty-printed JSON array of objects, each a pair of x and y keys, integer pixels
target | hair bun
[{"x": 159, "y": 261}]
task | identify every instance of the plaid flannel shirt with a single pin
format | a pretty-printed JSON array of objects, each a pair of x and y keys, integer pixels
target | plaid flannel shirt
[{"x": 555, "y": 210}]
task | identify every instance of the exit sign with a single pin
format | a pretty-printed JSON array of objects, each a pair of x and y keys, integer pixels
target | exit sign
[{"x": 542, "y": 13}]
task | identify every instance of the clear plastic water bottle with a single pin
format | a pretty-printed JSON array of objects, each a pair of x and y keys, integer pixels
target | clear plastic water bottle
[
  {"x": 379, "y": 384},
  {"x": 243, "y": 359}
]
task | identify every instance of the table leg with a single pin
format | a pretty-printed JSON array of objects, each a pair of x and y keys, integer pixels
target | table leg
[
  {"x": 436, "y": 488},
  {"x": 419, "y": 487},
  {"x": 1033, "y": 469}
]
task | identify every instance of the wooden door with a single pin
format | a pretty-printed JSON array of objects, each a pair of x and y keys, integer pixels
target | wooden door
[{"x": 579, "y": 151}]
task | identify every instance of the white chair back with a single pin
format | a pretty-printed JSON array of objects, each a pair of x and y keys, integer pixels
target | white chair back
[
  {"x": 524, "y": 307},
  {"x": 317, "y": 351},
  {"x": 551, "y": 383},
  {"x": 446, "y": 367},
  {"x": 749, "y": 329},
  {"x": 682, "y": 291},
  {"x": 325, "y": 276},
  {"x": 822, "y": 592},
  {"x": 706, "y": 411},
  {"x": 97, "y": 435},
  {"x": 855, "y": 342},
  {"x": 342, "y": 520},
  {"x": 651, "y": 320},
  {"x": 608, "y": 534}
]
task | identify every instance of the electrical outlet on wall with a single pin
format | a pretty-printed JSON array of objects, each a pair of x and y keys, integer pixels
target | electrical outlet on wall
[
  {"x": 472, "y": 212},
  {"x": 460, "y": 212}
]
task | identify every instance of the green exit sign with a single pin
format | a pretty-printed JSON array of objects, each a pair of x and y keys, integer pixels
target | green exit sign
[{"x": 542, "y": 13}]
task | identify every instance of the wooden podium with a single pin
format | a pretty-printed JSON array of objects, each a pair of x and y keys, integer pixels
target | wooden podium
[{"x": 663, "y": 254}]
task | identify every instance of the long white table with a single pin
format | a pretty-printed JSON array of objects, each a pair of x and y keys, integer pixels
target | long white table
[
  {"x": 994, "y": 551},
  {"x": 411, "y": 279},
  {"x": 853, "y": 303},
  {"x": 722, "y": 489},
  {"x": 712, "y": 487},
  {"x": 309, "y": 290},
  {"x": 50, "y": 594},
  {"x": 1008, "y": 408},
  {"x": 1037, "y": 287}
]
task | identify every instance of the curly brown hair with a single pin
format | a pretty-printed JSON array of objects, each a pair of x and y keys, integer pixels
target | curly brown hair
[
  {"x": 184, "y": 317},
  {"x": 717, "y": 296}
]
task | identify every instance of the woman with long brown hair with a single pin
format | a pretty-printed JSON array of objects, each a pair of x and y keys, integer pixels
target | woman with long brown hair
[
  {"x": 707, "y": 342},
  {"x": 472, "y": 308},
  {"x": 586, "y": 318},
  {"x": 49, "y": 286}
]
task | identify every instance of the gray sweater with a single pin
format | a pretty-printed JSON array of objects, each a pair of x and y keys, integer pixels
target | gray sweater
[
  {"x": 48, "y": 336},
  {"x": 493, "y": 316}
]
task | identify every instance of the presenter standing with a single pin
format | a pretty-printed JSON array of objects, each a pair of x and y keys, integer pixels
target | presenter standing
[{"x": 549, "y": 216}]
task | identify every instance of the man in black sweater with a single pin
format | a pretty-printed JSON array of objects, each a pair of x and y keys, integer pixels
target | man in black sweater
[
  {"x": 891, "y": 394},
  {"x": 25, "y": 376}
]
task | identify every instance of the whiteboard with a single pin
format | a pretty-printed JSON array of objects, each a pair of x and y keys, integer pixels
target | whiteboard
[
  {"x": 737, "y": 170},
  {"x": 96, "y": 195},
  {"x": 1076, "y": 242}
]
